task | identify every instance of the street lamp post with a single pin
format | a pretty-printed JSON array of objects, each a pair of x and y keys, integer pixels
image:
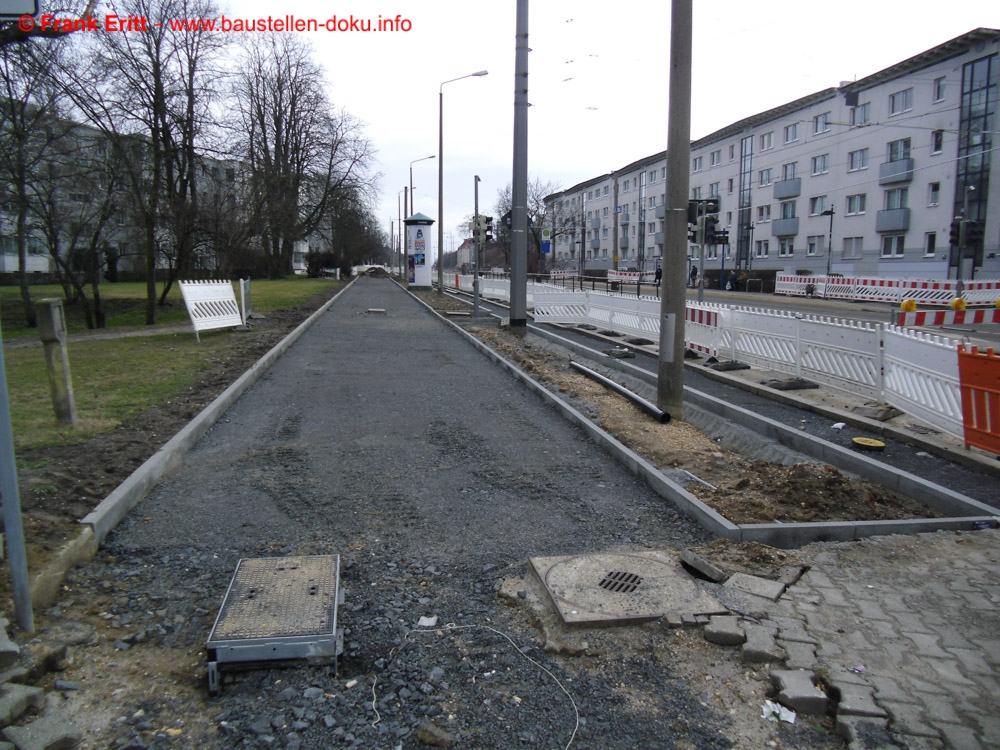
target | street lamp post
[
  {"x": 413, "y": 210},
  {"x": 829, "y": 250},
  {"x": 441, "y": 173}
]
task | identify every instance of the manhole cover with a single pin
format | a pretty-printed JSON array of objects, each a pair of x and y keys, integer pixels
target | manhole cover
[{"x": 620, "y": 588}]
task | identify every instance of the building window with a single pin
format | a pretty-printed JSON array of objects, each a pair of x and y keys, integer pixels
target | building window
[
  {"x": 937, "y": 141},
  {"x": 787, "y": 209},
  {"x": 821, "y": 164},
  {"x": 930, "y": 244},
  {"x": 786, "y": 247},
  {"x": 732, "y": 152},
  {"x": 696, "y": 193},
  {"x": 604, "y": 211},
  {"x": 899, "y": 150},
  {"x": 604, "y": 233},
  {"x": 713, "y": 190},
  {"x": 625, "y": 187},
  {"x": 857, "y": 160},
  {"x": 652, "y": 175},
  {"x": 861, "y": 115},
  {"x": 788, "y": 171},
  {"x": 901, "y": 101},
  {"x": 715, "y": 158},
  {"x": 766, "y": 141},
  {"x": 939, "y": 84},
  {"x": 765, "y": 177},
  {"x": 821, "y": 123},
  {"x": 933, "y": 193},
  {"x": 817, "y": 205},
  {"x": 853, "y": 247},
  {"x": 892, "y": 245},
  {"x": 856, "y": 204},
  {"x": 763, "y": 213},
  {"x": 896, "y": 198},
  {"x": 814, "y": 244},
  {"x": 791, "y": 132},
  {"x": 590, "y": 194},
  {"x": 761, "y": 249},
  {"x": 651, "y": 200},
  {"x": 696, "y": 164},
  {"x": 729, "y": 185},
  {"x": 606, "y": 189},
  {"x": 663, "y": 173}
]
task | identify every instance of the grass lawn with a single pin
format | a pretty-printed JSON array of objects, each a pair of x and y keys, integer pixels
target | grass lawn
[{"x": 114, "y": 379}]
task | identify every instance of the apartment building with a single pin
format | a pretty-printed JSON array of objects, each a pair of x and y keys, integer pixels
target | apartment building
[{"x": 861, "y": 179}]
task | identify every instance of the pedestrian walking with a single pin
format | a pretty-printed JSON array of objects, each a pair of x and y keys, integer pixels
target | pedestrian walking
[{"x": 659, "y": 276}]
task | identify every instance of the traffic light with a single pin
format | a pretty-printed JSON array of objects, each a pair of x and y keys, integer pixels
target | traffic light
[
  {"x": 711, "y": 224},
  {"x": 711, "y": 206},
  {"x": 693, "y": 211},
  {"x": 973, "y": 234},
  {"x": 955, "y": 234},
  {"x": 487, "y": 228}
]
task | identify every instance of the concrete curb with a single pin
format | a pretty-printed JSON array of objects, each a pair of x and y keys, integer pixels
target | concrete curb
[
  {"x": 785, "y": 535},
  {"x": 109, "y": 512}
]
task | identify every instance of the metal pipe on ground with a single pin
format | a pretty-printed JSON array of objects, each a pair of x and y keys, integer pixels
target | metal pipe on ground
[{"x": 639, "y": 401}]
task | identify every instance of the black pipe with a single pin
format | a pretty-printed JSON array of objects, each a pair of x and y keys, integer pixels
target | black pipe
[{"x": 639, "y": 401}]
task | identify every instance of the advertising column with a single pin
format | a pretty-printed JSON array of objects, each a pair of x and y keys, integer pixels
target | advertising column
[{"x": 418, "y": 251}]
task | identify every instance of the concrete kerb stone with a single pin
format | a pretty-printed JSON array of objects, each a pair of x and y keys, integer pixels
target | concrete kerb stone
[{"x": 110, "y": 511}]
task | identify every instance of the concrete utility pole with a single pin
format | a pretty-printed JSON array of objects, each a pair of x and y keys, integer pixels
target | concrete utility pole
[
  {"x": 670, "y": 370},
  {"x": 519, "y": 184}
]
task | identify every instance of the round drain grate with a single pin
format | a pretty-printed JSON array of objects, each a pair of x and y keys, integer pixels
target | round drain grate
[{"x": 620, "y": 582}]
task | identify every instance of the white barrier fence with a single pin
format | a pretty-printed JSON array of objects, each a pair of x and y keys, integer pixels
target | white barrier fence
[
  {"x": 210, "y": 305},
  {"x": 893, "y": 291}
]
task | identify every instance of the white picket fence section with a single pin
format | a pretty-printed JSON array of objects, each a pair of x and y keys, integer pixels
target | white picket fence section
[
  {"x": 921, "y": 377},
  {"x": 892, "y": 291},
  {"x": 210, "y": 305}
]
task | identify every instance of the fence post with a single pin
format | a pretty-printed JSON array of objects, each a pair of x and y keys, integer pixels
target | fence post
[
  {"x": 732, "y": 332},
  {"x": 880, "y": 364},
  {"x": 798, "y": 346}
]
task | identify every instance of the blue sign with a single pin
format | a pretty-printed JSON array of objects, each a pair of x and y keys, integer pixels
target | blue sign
[{"x": 546, "y": 246}]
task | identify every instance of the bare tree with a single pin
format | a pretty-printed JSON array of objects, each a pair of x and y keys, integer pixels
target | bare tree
[
  {"x": 31, "y": 124},
  {"x": 299, "y": 151},
  {"x": 537, "y": 220},
  {"x": 11, "y": 32},
  {"x": 148, "y": 93}
]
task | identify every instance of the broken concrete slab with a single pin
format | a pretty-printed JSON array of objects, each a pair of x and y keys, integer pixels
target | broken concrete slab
[
  {"x": 50, "y": 732},
  {"x": 854, "y": 697},
  {"x": 703, "y": 566},
  {"x": 9, "y": 651},
  {"x": 16, "y": 699},
  {"x": 725, "y": 630},
  {"x": 763, "y": 587},
  {"x": 760, "y": 646}
]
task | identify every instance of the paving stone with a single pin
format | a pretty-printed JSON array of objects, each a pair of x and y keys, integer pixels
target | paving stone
[
  {"x": 865, "y": 733},
  {"x": 889, "y": 689},
  {"x": 9, "y": 651},
  {"x": 972, "y": 661},
  {"x": 763, "y": 587},
  {"x": 834, "y": 597},
  {"x": 16, "y": 699},
  {"x": 947, "y": 669},
  {"x": 725, "y": 630},
  {"x": 674, "y": 620},
  {"x": 760, "y": 646},
  {"x": 939, "y": 709},
  {"x": 798, "y": 692},
  {"x": 856, "y": 700},
  {"x": 927, "y": 645},
  {"x": 50, "y": 732},
  {"x": 958, "y": 736},
  {"x": 908, "y": 718}
]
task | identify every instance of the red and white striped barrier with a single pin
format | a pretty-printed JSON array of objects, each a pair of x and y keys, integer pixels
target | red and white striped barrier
[{"x": 948, "y": 317}]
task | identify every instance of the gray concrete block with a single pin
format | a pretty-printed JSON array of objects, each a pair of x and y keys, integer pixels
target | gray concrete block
[
  {"x": 798, "y": 655},
  {"x": 757, "y": 586},
  {"x": 50, "y": 732},
  {"x": 9, "y": 651},
  {"x": 703, "y": 566},
  {"x": 760, "y": 646},
  {"x": 16, "y": 699},
  {"x": 855, "y": 700},
  {"x": 725, "y": 630},
  {"x": 798, "y": 692}
]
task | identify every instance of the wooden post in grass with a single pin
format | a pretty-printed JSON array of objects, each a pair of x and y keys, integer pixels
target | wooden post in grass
[{"x": 52, "y": 331}]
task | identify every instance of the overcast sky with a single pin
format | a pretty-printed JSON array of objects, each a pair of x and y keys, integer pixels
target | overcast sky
[{"x": 597, "y": 78}]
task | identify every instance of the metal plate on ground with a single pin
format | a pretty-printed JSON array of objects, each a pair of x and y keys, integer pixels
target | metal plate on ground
[
  {"x": 279, "y": 608},
  {"x": 621, "y": 588}
]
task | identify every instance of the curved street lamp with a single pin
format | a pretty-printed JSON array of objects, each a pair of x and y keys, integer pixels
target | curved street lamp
[
  {"x": 412, "y": 201},
  {"x": 441, "y": 173}
]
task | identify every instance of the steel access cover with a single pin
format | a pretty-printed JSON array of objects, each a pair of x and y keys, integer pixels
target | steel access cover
[
  {"x": 278, "y": 609},
  {"x": 621, "y": 588}
]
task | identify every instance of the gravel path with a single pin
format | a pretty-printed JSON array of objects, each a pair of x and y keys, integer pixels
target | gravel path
[{"x": 387, "y": 439}]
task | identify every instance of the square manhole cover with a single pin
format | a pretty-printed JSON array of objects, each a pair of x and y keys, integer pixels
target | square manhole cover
[{"x": 616, "y": 588}]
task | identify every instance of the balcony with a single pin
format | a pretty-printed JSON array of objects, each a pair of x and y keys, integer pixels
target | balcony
[
  {"x": 623, "y": 243},
  {"x": 658, "y": 238},
  {"x": 623, "y": 218},
  {"x": 595, "y": 244},
  {"x": 661, "y": 211},
  {"x": 785, "y": 227},
  {"x": 784, "y": 189},
  {"x": 891, "y": 172},
  {"x": 595, "y": 223},
  {"x": 892, "y": 220}
]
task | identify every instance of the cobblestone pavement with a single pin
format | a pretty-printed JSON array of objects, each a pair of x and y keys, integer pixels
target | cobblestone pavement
[{"x": 907, "y": 627}]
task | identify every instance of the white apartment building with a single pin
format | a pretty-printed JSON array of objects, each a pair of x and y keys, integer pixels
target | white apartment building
[{"x": 862, "y": 179}]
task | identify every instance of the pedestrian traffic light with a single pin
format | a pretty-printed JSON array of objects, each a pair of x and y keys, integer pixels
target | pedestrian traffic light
[{"x": 955, "y": 234}]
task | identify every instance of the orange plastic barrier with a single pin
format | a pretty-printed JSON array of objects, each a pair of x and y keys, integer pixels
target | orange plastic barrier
[{"x": 979, "y": 377}]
